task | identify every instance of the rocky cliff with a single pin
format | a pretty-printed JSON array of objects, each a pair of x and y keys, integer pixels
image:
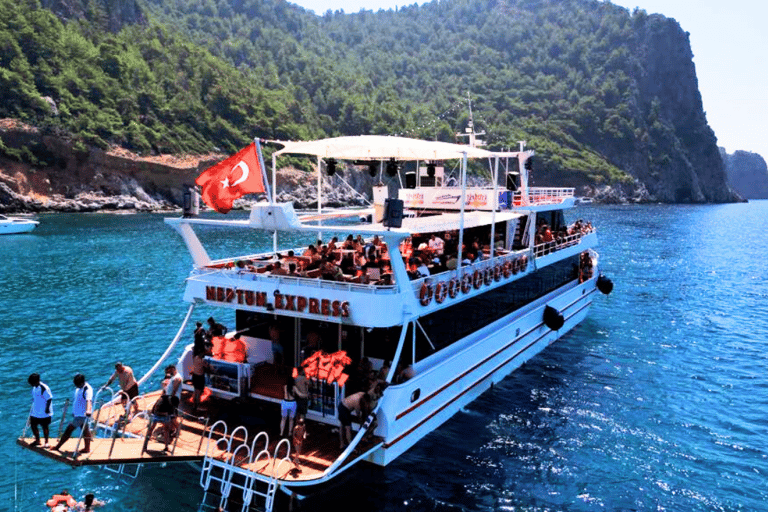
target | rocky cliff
[
  {"x": 82, "y": 181},
  {"x": 674, "y": 157},
  {"x": 747, "y": 174}
]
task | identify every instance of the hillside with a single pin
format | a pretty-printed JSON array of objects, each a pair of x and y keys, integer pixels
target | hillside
[
  {"x": 608, "y": 99},
  {"x": 747, "y": 174}
]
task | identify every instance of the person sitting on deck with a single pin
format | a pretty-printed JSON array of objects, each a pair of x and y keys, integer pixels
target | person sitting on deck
[{"x": 330, "y": 271}]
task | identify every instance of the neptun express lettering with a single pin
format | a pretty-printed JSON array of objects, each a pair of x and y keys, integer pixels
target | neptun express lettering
[{"x": 325, "y": 307}]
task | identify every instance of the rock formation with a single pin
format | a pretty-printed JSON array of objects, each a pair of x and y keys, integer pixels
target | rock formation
[{"x": 747, "y": 174}]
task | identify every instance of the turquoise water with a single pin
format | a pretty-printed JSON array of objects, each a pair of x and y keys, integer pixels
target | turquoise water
[{"x": 658, "y": 401}]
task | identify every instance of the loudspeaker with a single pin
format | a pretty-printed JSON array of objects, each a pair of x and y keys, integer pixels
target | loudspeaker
[
  {"x": 511, "y": 182},
  {"x": 410, "y": 180},
  {"x": 393, "y": 213}
]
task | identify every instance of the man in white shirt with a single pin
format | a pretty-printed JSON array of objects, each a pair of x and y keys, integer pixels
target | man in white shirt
[
  {"x": 82, "y": 408},
  {"x": 41, "y": 412},
  {"x": 436, "y": 244}
]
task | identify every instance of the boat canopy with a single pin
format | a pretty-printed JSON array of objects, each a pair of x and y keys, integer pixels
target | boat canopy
[
  {"x": 451, "y": 221},
  {"x": 381, "y": 147}
]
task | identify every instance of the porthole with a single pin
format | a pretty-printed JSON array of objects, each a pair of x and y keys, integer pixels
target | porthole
[{"x": 415, "y": 395}]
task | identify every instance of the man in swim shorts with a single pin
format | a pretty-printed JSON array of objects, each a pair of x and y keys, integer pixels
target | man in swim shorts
[{"x": 128, "y": 384}]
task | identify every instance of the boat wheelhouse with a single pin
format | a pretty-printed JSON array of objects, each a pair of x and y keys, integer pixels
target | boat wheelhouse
[{"x": 432, "y": 306}]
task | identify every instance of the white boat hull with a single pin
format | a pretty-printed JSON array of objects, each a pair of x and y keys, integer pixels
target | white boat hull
[
  {"x": 16, "y": 226},
  {"x": 490, "y": 354}
]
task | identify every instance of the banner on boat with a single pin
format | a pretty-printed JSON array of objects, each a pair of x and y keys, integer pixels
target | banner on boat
[
  {"x": 232, "y": 178},
  {"x": 450, "y": 199},
  {"x": 285, "y": 302}
]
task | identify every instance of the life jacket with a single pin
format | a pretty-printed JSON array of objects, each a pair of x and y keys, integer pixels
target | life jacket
[
  {"x": 342, "y": 379},
  {"x": 311, "y": 364},
  {"x": 234, "y": 351},
  {"x": 67, "y": 499},
  {"x": 218, "y": 346},
  {"x": 338, "y": 360},
  {"x": 324, "y": 365},
  {"x": 203, "y": 396}
]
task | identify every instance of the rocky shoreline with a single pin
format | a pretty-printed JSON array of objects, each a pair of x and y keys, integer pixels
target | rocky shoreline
[{"x": 120, "y": 181}]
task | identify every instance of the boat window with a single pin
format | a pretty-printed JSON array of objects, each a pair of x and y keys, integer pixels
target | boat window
[{"x": 445, "y": 327}]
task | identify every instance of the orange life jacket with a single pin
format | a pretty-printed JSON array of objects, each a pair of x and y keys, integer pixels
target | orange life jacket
[
  {"x": 61, "y": 498},
  {"x": 218, "y": 346},
  {"x": 324, "y": 366},
  {"x": 234, "y": 351}
]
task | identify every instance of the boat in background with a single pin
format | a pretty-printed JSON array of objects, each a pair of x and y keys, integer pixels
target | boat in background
[{"x": 15, "y": 225}]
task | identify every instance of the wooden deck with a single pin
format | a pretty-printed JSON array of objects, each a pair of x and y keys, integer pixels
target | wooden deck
[{"x": 320, "y": 450}]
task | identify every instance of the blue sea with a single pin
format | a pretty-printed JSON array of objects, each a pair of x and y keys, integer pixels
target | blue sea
[{"x": 658, "y": 401}]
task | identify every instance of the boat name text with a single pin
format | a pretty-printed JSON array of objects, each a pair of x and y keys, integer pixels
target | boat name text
[{"x": 311, "y": 305}]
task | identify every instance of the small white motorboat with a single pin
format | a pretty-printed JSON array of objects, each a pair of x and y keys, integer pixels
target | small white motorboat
[{"x": 14, "y": 225}]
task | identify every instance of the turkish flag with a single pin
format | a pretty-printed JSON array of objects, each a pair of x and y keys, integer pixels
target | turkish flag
[{"x": 232, "y": 178}]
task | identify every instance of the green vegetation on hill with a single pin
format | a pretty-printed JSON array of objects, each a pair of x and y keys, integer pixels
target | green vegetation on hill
[
  {"x": 568, "y": 76},
  {"x": 144, "y": 88}
]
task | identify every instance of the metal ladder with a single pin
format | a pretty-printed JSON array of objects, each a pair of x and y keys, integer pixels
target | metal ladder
[{"x": 231, "y": 467}]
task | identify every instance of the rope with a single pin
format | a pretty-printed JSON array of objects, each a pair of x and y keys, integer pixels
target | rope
[
  {"x": 170, "y": 347},
  {"x": 355, "y": 191}
]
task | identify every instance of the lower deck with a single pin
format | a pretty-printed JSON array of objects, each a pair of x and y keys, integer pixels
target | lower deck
[{"x": 197, "y": 438}]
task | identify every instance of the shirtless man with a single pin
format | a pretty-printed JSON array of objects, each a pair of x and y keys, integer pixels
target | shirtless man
[
  {"x": 352, "y": 404},
  {"x": 128, "y": 384}
]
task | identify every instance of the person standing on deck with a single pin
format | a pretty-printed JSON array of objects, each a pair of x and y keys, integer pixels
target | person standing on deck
[
  {"x": 215, "y": 328},
  {"x": 354, "y": 403},
  {"x": 201, "y": 336},
  {"x": 41, "y": 412},
  {"x": 199, "y": 367},
  {"x": 128, "y": 384},
  {"x": 287, "y": 407},
  {"x": 82, "y": 408}
]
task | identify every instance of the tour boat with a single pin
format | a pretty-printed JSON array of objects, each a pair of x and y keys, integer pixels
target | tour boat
[
  {"x": 438, "y": 320},
  {"x": 15, "y": 225}
]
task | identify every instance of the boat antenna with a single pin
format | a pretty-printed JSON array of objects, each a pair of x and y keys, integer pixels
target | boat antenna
[{"x": 470, "y": 129}]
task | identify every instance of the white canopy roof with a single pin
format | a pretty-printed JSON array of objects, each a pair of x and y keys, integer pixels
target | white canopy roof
[{"x": 381, "y": 147}]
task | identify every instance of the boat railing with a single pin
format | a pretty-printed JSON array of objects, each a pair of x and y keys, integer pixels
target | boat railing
[
  {"x": 543, "y": 195},
  {"x": 558, "y": 244},
  {"x": 310, "y": 282}
]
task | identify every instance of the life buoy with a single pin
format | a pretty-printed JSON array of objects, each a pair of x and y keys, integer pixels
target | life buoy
[
  {"x": 425, "y": 296},
  {"x": 466, "y": 283},
  {"x": 441, "y": 292},
  {"x": 67, "y": 499},
  {"x": 488, "y": 277},
  {"x": 497, "y": 272},
  {"x": 453, "y": 288},
  {"x": 507, "y": 269},
  {"x": 477, "y": 279}
]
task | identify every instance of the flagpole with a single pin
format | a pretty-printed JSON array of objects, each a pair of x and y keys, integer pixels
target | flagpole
[
  {"x": 319, "y": 197},
  {"x": 270, "y": 196}
]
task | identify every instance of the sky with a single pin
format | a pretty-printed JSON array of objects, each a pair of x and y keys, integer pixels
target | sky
[{"x": 730, "y": 52}]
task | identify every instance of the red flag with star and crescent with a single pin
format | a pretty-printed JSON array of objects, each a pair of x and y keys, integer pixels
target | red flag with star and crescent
[{"x": 231, "y": 179}]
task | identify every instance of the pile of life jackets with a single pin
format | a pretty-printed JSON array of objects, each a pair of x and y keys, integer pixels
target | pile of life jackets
[
  {"x": 233, "y": 350},
  {"x": 327, "y": 367}
]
